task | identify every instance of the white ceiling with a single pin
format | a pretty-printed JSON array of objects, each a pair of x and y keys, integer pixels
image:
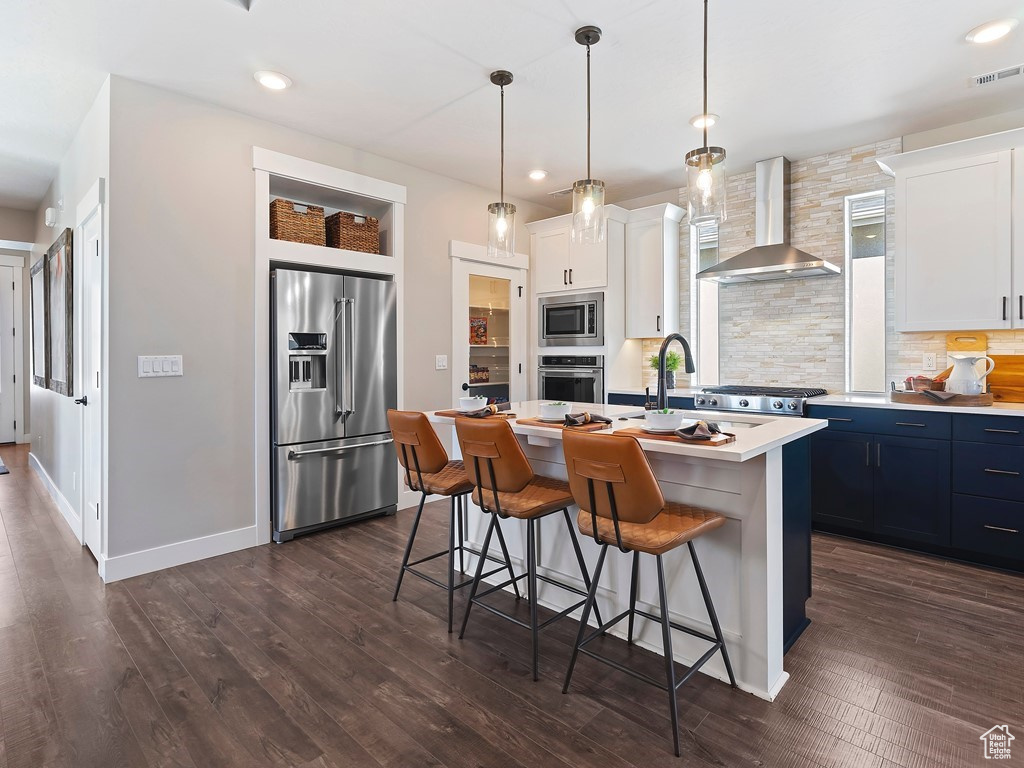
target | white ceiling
[{"x": 408, "y": 79}]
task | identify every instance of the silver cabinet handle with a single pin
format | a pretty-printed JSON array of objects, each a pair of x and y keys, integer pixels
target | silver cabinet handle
[
  {"x": 867, "y": 454},
  {"x": 1000, "y": 528},
  {"x": 834, "y": 418},
  {"x": 909, "y": 424},
  {"x": 1002, "y": 472},
  {"x": 1004, "y": 431},
  {"x": 312, "y": 451}
]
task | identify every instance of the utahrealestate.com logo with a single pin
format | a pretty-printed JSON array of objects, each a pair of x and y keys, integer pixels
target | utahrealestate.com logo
[{"x": 997, "y": 742}]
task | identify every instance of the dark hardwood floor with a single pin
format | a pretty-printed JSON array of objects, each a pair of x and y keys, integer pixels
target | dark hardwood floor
[{"x": 294, "y": 655}]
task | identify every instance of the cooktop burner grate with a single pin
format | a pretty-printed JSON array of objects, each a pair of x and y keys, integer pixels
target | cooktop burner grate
[{"x": 766, "y": 391}]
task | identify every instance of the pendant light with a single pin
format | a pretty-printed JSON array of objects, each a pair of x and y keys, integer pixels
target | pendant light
[
  {"x": 589, "y": 223},
  {"x": 705, "y": 176},
  {"x": 501, "y": 216}
]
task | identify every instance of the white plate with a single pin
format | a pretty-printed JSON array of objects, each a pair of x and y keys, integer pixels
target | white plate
[
  {"x": 559, "y": 420},
  {"x": 654, "y": 431}
]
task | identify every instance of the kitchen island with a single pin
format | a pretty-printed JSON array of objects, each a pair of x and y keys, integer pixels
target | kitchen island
[{"x": 742, "y": 560}]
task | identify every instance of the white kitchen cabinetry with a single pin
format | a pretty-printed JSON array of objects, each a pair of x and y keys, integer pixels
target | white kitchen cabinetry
[
  {"x": 959, "y": 252},
  {"x": 560, "y": 265},
  {"x": 652, "y": 271}
]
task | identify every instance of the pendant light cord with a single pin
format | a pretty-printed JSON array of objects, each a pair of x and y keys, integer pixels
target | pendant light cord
[
  {"x": 705, "y": 74},
  {"x": 588, "y": 110},
  {"x": 502, "y": 148}
]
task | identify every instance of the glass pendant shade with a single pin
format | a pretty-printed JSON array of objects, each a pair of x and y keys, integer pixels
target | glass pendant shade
[
  {"x": 705, "y": 185},
  {"x": 501, "y": 230},
  {"x": 589, "y": 223}
]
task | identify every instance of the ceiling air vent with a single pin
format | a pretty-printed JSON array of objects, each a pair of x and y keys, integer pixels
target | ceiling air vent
[{"x": 992, "y": 77}]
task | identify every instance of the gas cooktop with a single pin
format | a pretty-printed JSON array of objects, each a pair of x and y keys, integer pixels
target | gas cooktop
[{"x": 787, "y": 401}]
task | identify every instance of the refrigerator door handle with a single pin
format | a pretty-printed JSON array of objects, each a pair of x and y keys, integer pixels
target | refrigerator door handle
[
  {"x": 342, "y": 355},
  {"x": 292, "y": 455},
  {"x": 350, "y": 343}
]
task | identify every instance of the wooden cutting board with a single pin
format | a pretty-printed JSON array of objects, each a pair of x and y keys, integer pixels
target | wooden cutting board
[
  {"x": 594, "y": 426},
  {"x": 917, "y": 398},
  {"x": 1006, "y": 382},
  {"x": 644, "y": 435}
]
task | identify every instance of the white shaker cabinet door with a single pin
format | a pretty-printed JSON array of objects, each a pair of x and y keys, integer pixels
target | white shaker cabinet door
[
  {"x": 650, "y": 310},
  {"x": 953, "y": 249},
  {"x": 550, "y": 253},
  {"x": 588, "y": 264},
  {"x": 1017, "y": 298}
]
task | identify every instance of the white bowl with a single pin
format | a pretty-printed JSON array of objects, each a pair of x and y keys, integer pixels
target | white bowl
[
  {"x": 472, "y": 403},
  {"x": 554, "y": 410},
  {"x": 658, "y": 420}
]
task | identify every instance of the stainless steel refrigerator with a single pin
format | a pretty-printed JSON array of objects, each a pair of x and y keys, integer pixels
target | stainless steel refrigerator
[{"x": 334, "y": 375}]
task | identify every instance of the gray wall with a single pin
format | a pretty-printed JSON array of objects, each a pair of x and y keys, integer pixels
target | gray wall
[
  {"x": 19, "y": 226},
  {"x": 181, "y": 282}
]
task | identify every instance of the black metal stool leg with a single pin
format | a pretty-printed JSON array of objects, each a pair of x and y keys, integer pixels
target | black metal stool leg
[
  {"x": 634, "y": 584},
  {"x": 462, "y": 535},
  {"x": 670, "y": 666},
  {"x": 531, "y": 586},
  {"x": 479, "y": 572},
  {"x": 508, "y": 560},
  {"x": 451, "y": 563},
  {"x": 408, "y": 546},
  {"x": 711, "y": 612},
  {"x": 591, "y": 599},
  {"x": 580, "y": 560}
]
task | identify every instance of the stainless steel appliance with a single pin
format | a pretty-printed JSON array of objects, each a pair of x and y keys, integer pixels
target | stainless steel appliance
[
  {"x": 780, "y": 401},
  {"x": 571, "y": 378},
  {"x": 572, "y": 321},
  {"x": 334, "y": 375}
]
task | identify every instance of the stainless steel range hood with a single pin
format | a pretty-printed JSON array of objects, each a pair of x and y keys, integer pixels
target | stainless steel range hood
[{"x": 771, "y": 258}]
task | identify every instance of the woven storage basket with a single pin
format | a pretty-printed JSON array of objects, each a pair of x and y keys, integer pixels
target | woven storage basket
[
  {"x": 287, "y": 223},
  {"x": 353, "y": 233}
]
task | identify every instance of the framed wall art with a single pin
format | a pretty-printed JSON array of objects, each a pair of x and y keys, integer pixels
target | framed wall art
[
  {"x": 60, "y": 290},
  {"x": 40, "y": 341}
]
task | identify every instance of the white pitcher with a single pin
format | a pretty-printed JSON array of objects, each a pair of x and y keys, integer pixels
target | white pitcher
[{"x": 964, "y": 379}]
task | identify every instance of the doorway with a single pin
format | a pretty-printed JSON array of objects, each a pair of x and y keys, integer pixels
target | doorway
[
  {"x": 488, "y": 331},
  {"x": 8, "y": 375},
  {"x": 90, "y": 375}
]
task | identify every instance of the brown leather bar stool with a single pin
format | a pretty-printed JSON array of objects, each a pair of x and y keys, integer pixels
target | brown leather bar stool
[
  {"x": 428, "y": 471},
  {"x": 620, "y": 502},
  {"x": 505, "y": 486}
]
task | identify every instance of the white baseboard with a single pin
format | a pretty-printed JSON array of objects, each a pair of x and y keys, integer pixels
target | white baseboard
[
  {"x": 71, "y": 517},
  {"x": 407, "y": 498},
  {"x": 178, "y": 553}
]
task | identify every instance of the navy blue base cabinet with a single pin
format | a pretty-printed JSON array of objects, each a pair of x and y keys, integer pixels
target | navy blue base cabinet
[{"x": 948, "y": 483}]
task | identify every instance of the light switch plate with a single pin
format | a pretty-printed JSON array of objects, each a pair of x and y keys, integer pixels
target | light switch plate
[
  {"x": 151, "y": 366},
  {"x": 440, "y": 362}
]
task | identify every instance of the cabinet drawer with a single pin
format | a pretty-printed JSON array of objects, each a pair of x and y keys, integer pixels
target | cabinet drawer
[
  {"x": 989, "y": 470},
  {"x": 1005, "y": 430},
  {"x": 884, "y": 421},
  {"x": 988, "y": 526}
]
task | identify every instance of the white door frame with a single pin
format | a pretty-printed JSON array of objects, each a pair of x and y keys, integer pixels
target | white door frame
[
  {"x": 93, "y": 205},
  {"x": 11, "y": 259},
  {"x": 469, "y": 259}
]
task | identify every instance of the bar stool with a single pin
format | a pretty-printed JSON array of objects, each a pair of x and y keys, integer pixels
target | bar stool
[
  {"x": 620, "y": 502},
  {"x": 428, "y": 471},
  {"x": 505, "y": 486}
]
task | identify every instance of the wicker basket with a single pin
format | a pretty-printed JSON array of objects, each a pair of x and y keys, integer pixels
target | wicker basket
[
  {"x": 352, "y": 232},
  {"x": 287, "y": 223}
]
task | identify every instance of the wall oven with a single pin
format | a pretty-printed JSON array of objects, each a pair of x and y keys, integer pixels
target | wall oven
[
  {"x": 572, "y": 321},
  {"x": 571, "y": 378}
]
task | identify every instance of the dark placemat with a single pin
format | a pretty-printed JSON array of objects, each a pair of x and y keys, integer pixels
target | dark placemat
[
  {"x": 720, "y": 439},
  {"x": 594, "y": 426}
]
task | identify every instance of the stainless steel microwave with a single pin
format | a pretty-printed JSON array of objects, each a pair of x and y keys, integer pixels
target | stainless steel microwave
[{"x": 572, "y": 321}]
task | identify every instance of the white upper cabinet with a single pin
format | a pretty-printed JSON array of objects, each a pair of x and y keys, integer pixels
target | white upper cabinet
[
  {"x": 560, "y": 265},
  {"x": 549, "y": 252},
  {"x": 959, "y": 252},
  {"x": 652, "y": 271}
]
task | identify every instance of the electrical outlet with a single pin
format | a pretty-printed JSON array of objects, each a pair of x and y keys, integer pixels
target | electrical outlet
[
  {"x": 440, "y": 362},
  {"x": 928, "y": 361}
]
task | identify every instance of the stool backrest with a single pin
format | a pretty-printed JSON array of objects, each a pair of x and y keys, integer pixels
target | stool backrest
[
  {"x": 490, "y": 449},
  {"x": 610, "y": 477},
  {"x": 419, "y": 449}
]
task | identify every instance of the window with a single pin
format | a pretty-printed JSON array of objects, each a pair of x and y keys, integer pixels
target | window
[
  {"x": 704, "y": 302},
  {"x": 865, "y": 287}
]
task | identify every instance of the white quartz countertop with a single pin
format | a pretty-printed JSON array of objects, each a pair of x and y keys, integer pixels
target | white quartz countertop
[
  {"x": 755, "y": 435},
  {"x": 883, "y": 401},
  {"x": 679, "y": 392}
]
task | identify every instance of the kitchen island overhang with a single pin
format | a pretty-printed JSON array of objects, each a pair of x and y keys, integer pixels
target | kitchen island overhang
[{"x": 742, "y": 560}]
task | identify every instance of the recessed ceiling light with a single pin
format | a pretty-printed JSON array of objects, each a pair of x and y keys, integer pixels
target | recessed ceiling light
[
  {"x": 991, "y": 31},
  {"x": 274, "y": 81},
  {"x": 538, "y": 175},
  {"x": 700, "y": 122}
]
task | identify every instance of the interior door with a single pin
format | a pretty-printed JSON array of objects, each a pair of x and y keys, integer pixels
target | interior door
[
  {"x": 8, "y": 433},
  {"x": 489, "y": 331},
  {"x": 90, "y": 381}
]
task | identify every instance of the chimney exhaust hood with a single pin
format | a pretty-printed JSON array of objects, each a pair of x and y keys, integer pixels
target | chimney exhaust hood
[{"x": 771, "y": 258}]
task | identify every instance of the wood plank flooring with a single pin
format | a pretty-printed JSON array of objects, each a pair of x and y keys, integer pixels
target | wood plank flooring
[{"x": 295, "y": 655}]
